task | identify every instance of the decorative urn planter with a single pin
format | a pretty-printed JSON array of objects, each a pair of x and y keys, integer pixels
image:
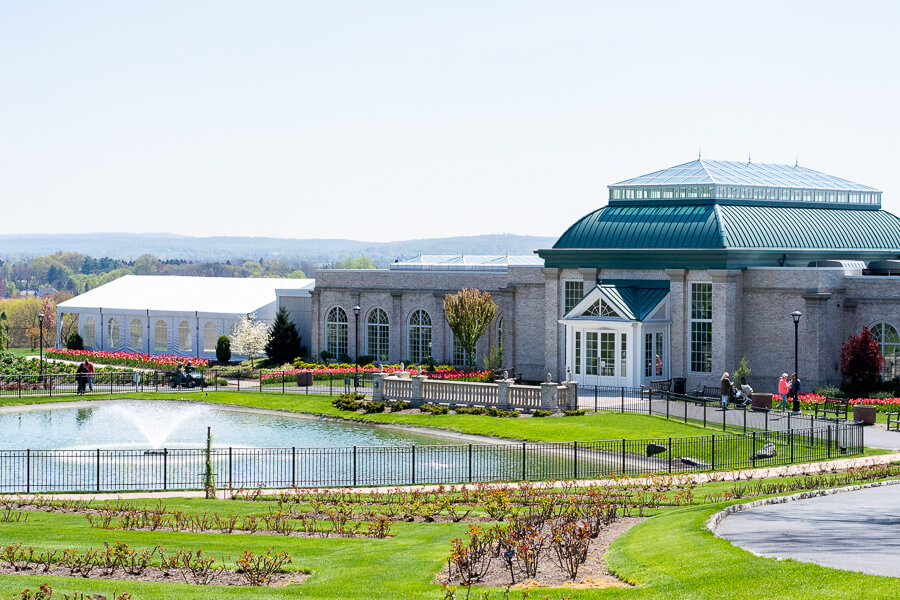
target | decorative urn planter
[{"x": 865, "y": 413}]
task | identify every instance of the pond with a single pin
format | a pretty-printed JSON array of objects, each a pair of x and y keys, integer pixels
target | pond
[{"x": 156, "y": 444}]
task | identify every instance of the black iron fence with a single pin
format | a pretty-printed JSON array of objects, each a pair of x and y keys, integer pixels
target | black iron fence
[
  {"x": 26, "y": 471},
  {"x": 30, "y": 385}
]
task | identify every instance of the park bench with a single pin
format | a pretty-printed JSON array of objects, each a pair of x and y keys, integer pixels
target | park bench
[
  {"x": 709, "y": 393},
  {"x": 833, "y": 406},
  {"x": 893, "y": 419},
  {"x": 658, "y": 387}
]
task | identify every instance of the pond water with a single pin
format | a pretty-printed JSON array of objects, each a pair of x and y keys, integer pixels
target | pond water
[
  {"x": 155, "y": 424},
  {"x": 153, "y": 444}
]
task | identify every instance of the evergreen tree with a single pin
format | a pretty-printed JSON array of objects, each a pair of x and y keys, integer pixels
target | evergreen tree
[
  {"x": 284, "y": 341},
  {"x": 74, "y": 341},
  {"x": 223, "y": 349}
]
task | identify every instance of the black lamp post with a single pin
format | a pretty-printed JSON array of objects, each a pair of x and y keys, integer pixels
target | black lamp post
[
  {"x": 356, "y": 310},
  {"x": 796, "y": 317},
  {"x": 41, "y": 325}
]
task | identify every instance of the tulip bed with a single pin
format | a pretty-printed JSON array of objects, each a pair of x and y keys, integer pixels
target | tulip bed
[
  {"x": 129, "y": 359},
  {"x": 809, "y": 401}
]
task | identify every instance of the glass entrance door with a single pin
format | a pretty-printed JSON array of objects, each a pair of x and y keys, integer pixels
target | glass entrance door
[
  {"x": 656, "y": 362},
  {"x": 600, "y": 357}
]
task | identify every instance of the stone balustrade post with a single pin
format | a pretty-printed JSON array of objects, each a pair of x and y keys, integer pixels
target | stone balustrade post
[
  {"x": 573, "y": 394},
  {"x": 378, "y": 387},
  {"x": 503, "y": 392},
  {"x": 548, "y": 396},
  {"x": 418, "y": 390}
]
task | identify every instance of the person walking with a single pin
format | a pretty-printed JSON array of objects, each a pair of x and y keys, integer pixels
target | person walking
[
  {"x": 90, "y": 374},
  {"x": 727, "y": 389},
  {"x": 794, "y": 393},
  {"x": 80, "y": 374},
  {"x": 783, "y": 391}
]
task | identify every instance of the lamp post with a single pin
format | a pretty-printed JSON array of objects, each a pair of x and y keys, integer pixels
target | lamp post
[
  {"x": 356, "y": 310},
  {"x": 41, "y": 326},
  {"x": 796, "y": 317}
]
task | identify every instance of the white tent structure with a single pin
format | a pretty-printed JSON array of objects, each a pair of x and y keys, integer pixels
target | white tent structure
[{"x": 177, "y": 315}]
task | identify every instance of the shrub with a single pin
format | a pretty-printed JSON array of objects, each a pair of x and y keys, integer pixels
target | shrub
[
  {"x": 540, "y": 413},
  {"x": 829, "y": 391},
  {"x": 434, "y": 409},
  {"x": 861, "y": 359},
  {"x": 223, "y": 349},
  {"x": 344, "y": 358},
  {"x": 351, "y": 401},
  {"x": 400, "y": 405},
  {"x": 325, "y": 355},
  {"x": 257, "y": 568},
  {"x": 74, "y": 341},
  {"x": 574, "y": 413},
  {"x": 493, "y": 411},
  {"x": 474, "y": 410},
  {"x": 366, "y": 359},
  {"x": 374, "y": 407}
]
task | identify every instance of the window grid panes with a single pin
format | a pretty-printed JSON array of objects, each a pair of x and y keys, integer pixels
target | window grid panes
[
  {"x": 160, "y": 336},
  {"x": 419, "y": 337},
  {"x": 210, "y": 337},
  {"x": 89, "y": 332},
  {"x": 590, "y": 366},
  {"x": 660, "y": 359},
  {"x": 574, "y": 292},
  {"x": 578, "y": 353},
  {"x": 701, "y": 327},
  {"x": 184, "y": 337},
  {"x": 607, "y": 354},
  {"x": 459, "y": 354},
  {"x": 623, "y": 367},
  {"x": 136, "y": 335},
  {"x": 112, "y": 333},
  {"x": 648, "y": 355},
  {"x": 378, "y": 335},
  {"x": 889, "y": 345},
  {"x": 336, "y": 331}
]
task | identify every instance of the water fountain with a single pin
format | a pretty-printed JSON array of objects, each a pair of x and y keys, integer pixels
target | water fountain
[{"x": 155, "y": 430}]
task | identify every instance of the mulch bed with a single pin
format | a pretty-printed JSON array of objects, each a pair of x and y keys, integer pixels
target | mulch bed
[
  {"x": 158, "y": 575},
  {"x": 592, "y": 574}
]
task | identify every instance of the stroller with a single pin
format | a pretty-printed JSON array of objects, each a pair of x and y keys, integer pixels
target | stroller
[{"x": 741, "y": 395}]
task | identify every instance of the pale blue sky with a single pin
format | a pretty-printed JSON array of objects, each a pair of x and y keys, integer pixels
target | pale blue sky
[{"x": 397, "y": 120}]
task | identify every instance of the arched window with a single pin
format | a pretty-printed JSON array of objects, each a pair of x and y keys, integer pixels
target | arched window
[
  {"x": 336, "y": 331},
  {"x": 184, "y": 337},
  {"x": 89, "y": 332},
  {"x": 161, "y": 336},
  {"x": 889, "y": 340},
  {"x": 136, "y": 335},
  {"x": 419, "y": 336},
  {"x": 210, "y": 337},
  {"x": 500, "y": 333},
  {"x": 378, "y": 334},
  {"x": 112, "y": 333}
]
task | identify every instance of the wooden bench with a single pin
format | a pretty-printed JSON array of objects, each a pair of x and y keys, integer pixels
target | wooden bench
[
  {"x": 833, "y": 406},
  {"x": 893, "y": 418},
  {"x": 710, "y": 393},
  {"x": 660, "y": 387}
]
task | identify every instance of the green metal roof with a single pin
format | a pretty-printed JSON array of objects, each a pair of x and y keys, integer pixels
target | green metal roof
[
  {"x": 636, "y": 298},
  {"x": 732, "y": 227}
]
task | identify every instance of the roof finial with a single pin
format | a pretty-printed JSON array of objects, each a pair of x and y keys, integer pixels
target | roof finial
[
  {"x": 748, "y": 158},
  {"x": 699, "y": 152},
  {"x": 796, "y": 160}
]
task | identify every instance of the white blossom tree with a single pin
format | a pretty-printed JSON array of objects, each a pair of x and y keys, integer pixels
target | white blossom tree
[{"x": 249, "y": 337}]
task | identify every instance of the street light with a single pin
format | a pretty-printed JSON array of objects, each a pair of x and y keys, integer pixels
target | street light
[
  {"x": 41, "y": 324},
  {"x": 356, "y": 310},
  {"x": 796, "y": 317}
]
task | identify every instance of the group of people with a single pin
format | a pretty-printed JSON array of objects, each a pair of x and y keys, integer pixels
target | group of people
[
  {"x": 787, "y": 388},
  {"x": 84, "y": 377}
]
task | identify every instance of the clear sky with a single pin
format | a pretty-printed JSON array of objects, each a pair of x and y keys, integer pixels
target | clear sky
[{"x": 398, "y": 120}]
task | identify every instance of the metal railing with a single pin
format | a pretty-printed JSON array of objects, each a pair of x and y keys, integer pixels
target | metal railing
[{"x": 97, "y": 470}]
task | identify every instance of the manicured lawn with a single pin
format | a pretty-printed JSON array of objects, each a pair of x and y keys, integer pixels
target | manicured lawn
[{"x": 22, "y": 351}]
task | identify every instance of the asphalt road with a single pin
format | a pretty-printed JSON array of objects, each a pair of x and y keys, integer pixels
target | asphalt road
[{"x": 854, "y": 531}]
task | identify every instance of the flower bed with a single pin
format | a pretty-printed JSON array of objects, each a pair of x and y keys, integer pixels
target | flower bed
[
  {"x": 129, "y": 359},
  {"x": 449, "y": 374},
  {"x": 809, "y": 401}
]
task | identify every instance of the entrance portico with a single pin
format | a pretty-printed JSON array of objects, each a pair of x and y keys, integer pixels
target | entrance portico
[{"x": 618, "y": 334}]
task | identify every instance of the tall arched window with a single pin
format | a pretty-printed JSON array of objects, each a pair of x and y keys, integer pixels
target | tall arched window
[
  {"x": 210, "y": 337},
  {"x": 500, "y": 333},
  {"x": 184, "y": 337},
  {"x": 378, "y": 334},
  {"x": 889, "y": 340},
  {"x": 160, "y": 336},
  {"x": 136, "y": 335},
  {"x": 336, "y": 331},
  {"x": 89, "y": 332},
  {"x": 419, "y": 336},
  {"x": 112, "y": 333},
  {"x": 459, "y": 355}
]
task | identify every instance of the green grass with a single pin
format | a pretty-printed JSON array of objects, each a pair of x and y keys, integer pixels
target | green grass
[{"x": 22, "y": 351}]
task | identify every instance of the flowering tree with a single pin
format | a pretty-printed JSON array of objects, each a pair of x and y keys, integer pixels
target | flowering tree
[
  {"x": 249, "y": 337},
  {"x": 468, "y": 313},
  {"x": 861, "y": 359}
]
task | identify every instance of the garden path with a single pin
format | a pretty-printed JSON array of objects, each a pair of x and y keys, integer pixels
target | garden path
[{"x": 853, "y": 531}]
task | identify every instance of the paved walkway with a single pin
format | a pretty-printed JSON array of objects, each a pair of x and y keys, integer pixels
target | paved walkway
[{"x": 853, "y": 531}]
